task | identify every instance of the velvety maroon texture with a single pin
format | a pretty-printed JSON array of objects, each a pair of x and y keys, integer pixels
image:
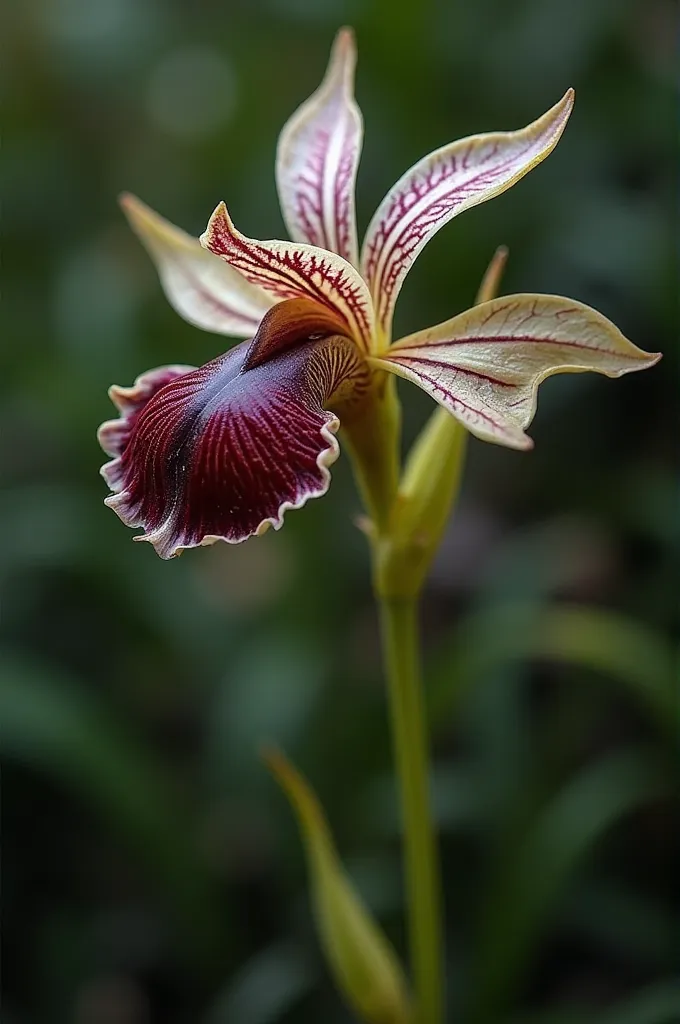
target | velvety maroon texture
[{"x": 221, "y": 452}]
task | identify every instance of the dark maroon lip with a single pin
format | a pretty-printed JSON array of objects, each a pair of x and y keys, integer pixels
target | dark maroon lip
[{"x": 221, "y": 452}]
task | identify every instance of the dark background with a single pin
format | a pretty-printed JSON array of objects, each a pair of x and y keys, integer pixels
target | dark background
[{"x": 152, "y": 872}]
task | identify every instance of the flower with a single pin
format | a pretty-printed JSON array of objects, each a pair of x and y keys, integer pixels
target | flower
[{"x": 221, "y": 452}]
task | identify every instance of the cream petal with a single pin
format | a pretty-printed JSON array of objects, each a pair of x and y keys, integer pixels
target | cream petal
[
  {"x": 203, "y": 289},
  {"x": 290, "y": 270},
  {"x": 485, "y": 365},
  {"x": 317, "y": 159},
  {"x": 443, "y": 184}
]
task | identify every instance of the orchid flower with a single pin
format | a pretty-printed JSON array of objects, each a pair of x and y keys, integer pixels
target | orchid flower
[{"x": 221, "y": 452}]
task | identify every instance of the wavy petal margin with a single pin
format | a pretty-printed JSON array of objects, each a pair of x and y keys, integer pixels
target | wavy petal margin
[
  {"x": 222, "y": 452},
  {"x": 317, "y": 159},
  {"x": 485, "y": 365},
  {"x": 291, "y": 270},
  {"x": 114, "y": 435},
  {"x": 201, "y": 288},
  {"x": 441, "y": 185}
]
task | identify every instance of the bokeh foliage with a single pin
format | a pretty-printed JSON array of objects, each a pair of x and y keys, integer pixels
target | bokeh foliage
[{"x": 151, "y": 871}]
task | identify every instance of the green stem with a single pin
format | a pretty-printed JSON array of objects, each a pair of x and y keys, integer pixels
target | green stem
[
  {"x": 407, "y": 526},
  {"x": 371, "y": 438},
  {"x": 399, "y": 620}
]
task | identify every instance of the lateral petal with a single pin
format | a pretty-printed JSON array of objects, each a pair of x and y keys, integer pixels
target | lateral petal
[
  {"x": 291, "y": 270},
  {"x": 222, "y": 452},
  {"x": 443, "y": 184},
  {"x": 317, "y": 159},
  {"x": 485, "y": 365},
  {"x": 201, "y": 288}
]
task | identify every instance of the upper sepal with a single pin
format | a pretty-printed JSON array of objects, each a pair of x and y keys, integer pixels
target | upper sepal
[
  {"x": 317, "y": 158},
  {"x": 201, "y": 288}
]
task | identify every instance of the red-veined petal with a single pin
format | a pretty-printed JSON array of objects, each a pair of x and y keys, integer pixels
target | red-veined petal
[
  {"x": 291, "y": 270},
  {"x": 317, "y": 159},
  {"x": 443, "y": 184},
  {"x": 485, "y": 365},
  {"x": 199, "y": 286},
  {"x": 114, "y": 435},
  {"x": 220, "y": 453}
]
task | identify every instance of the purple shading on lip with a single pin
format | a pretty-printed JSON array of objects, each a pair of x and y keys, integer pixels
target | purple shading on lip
[{"x": 223, "y": 451}]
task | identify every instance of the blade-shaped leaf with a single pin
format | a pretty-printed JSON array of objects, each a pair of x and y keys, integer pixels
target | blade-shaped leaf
[
  {"x": 657, "y": 1004},
  {"x": 48, "y": 725},
  {"x": 364, "y": 965},
  {"x": 530, "y": 875},
  {"x": 592, "y": 638},
  {"x": 267, "y": 986}
]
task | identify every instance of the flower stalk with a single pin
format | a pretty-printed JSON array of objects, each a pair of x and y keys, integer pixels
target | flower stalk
[
  {"x": 400, "y": 639},
  {"x": 372, "y": 438},
  {"x": 402, "y": 556}
]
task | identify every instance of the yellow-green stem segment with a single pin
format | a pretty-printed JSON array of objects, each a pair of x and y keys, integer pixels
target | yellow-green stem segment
[
  {"x": 407, "y": 525},
  {"x": 399, "y": 623},
  {"x": 371, "y": 436}
]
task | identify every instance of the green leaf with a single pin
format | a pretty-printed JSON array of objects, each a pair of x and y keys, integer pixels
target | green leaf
[
  {"x": 363, "y": 963},
  {"x": 531, "y": 874},
  {"x": 658, "y": 1004},
  {"x": 591, "y": 638},
  {"x": 269, "y": 984},
  {"x": 49, "y": 725}
]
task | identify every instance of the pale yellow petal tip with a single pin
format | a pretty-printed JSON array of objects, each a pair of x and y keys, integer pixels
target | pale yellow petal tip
[
  {"x": 490, "y": 285},
  {"x": 515, "y": 439},
  {"x": 638, "y": 359},
  {"x": 561, "y": 112},
  {"x": 342, "y": 61},
  {"x": 146, "y": 223},
  {"x": 125, "y": 198},
  {"x": 566, "y": 104},
  {"x": 220, "y": 215},
  {"x": 134, "y": 209},
  {"x": 345, "y": 43}
]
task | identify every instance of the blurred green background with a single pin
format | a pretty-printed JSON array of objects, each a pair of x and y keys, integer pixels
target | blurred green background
[{"x": 152, "y": 872}]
